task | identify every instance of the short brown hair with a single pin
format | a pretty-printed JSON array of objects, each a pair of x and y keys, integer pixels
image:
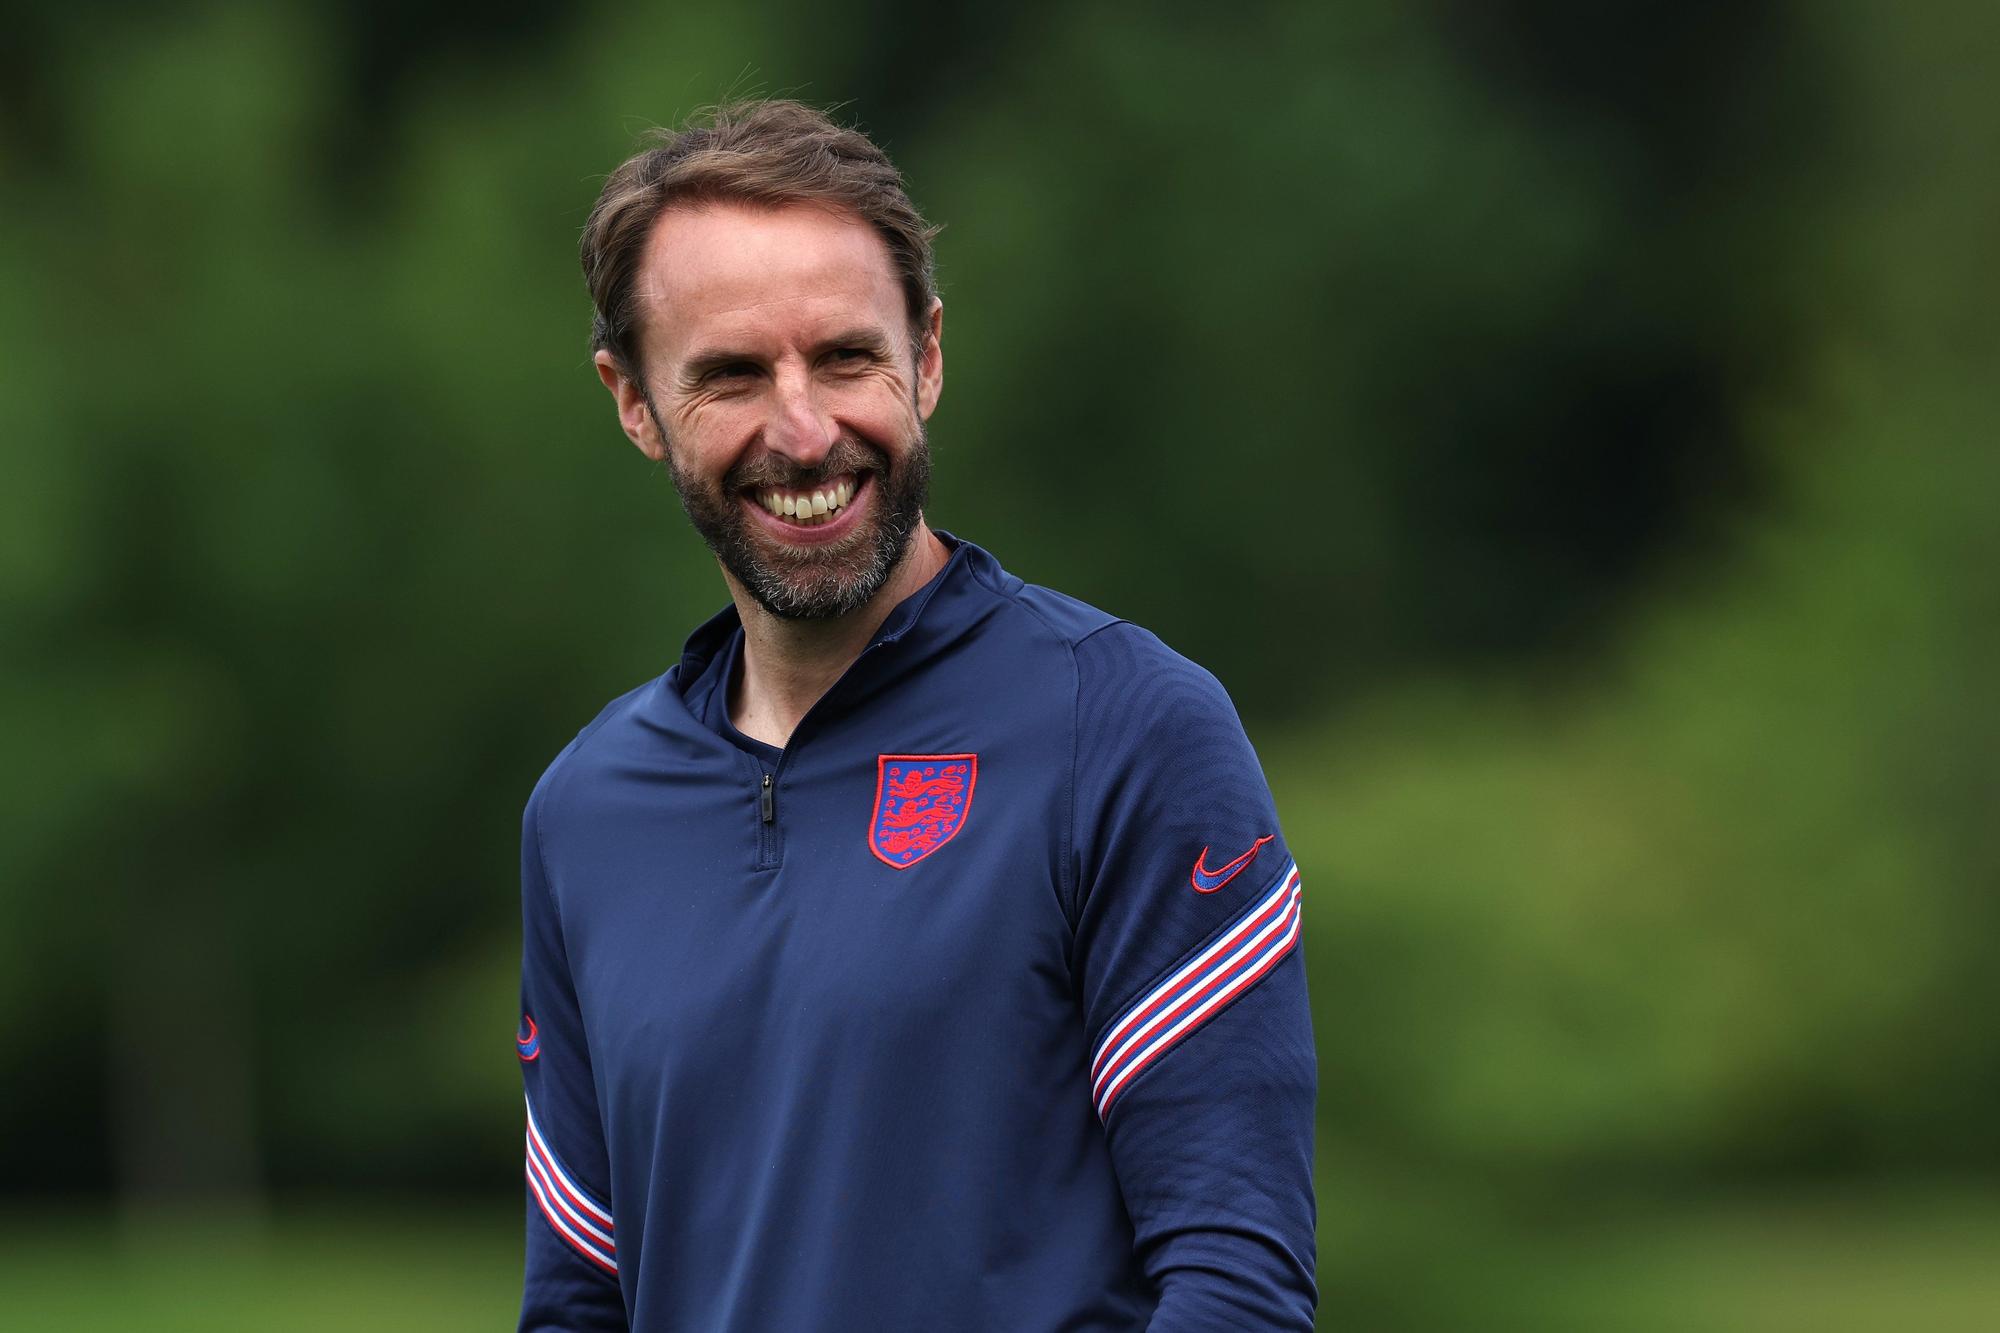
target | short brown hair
[{"x": 758, "y": 152}]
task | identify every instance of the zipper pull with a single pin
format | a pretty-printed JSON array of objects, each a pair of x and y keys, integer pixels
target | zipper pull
[{"x": 765, "y": 803}]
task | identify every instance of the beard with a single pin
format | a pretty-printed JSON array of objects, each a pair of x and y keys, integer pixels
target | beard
[{"x": 813, "y": 582}]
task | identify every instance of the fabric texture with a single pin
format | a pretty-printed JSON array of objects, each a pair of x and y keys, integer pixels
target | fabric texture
[{"x": 979, "y": 1006}]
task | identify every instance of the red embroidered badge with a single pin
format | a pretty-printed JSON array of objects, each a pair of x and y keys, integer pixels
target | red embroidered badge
[{"x": 921, "y": 801}]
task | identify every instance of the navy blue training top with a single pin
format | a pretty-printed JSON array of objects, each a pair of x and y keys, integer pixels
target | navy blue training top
[{"x": 978, "y": 1006}]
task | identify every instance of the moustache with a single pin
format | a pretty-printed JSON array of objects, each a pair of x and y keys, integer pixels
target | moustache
[{"x": 847, "y": 457}]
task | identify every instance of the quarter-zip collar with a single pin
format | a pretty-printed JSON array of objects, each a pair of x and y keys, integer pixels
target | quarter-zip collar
[{"x": 928, "y": 619}]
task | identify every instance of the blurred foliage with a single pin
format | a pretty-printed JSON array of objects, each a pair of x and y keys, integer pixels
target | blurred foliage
[
  {"x": 1570, "y": 439},
  {"x": 1720, "y": 904}
]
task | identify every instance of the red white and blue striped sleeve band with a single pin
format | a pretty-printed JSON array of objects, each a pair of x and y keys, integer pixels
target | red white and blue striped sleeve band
[
  {"x": 579, "y": 1219},
  {"x": 1197, "y": 990}
]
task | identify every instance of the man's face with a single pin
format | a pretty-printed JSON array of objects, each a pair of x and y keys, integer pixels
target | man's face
[{"x": 778, "y": 382}]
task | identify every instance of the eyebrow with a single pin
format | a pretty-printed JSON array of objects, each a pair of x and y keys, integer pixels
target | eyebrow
[
  {"x": 714, "y": 358},
  {"x": 869, "y": 339},
  {"x": 698, "y": 365}
]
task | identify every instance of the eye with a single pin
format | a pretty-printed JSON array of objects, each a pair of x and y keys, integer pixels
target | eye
[
  {"x": 852, "y": 356},
  {"x": 734, "y": 370}
]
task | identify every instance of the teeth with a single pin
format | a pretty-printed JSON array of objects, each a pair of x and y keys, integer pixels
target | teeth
[{"x": 811, "y": 509}]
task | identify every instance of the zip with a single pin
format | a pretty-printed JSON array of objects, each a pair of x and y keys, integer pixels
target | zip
[{"x": 767, "y": 805}]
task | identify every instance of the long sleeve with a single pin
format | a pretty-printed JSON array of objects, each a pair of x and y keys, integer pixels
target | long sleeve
[
  {"x": 571, "y": 1280},
  {"x": 1187, "y": 910}
]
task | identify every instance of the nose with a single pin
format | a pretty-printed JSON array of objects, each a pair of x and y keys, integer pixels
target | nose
[{"x": 800, "y": 428}]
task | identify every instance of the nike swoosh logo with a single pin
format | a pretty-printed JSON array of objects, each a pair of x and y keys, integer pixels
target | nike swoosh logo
[{"x": 1204, "y": 880}]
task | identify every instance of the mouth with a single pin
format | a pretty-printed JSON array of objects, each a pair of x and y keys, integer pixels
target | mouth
[
  {"x": 807, "y": 508},
  {"x": 813, "y": 514}
]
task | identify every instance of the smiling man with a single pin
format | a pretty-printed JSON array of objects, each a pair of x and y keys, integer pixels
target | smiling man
[{"x": 920, "y": 951}]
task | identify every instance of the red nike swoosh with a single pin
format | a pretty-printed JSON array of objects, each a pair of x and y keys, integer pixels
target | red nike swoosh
[{"x": 1204, "y": 880}]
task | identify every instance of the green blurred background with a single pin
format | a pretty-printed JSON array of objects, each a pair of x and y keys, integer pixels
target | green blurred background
[{"x": 1568, "y": 432}]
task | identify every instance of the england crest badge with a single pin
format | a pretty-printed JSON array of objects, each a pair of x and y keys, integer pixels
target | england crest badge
[{"x": 921, "y": 801}]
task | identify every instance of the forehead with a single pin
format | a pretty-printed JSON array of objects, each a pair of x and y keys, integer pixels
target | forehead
[{"x": 745, "y": 273}]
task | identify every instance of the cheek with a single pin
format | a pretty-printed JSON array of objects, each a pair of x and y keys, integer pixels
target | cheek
[
  {"x": 707, "y": 431},
  {"x": 881, "y": 409}
]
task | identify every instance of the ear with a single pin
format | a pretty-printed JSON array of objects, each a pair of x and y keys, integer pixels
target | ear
[
  {"x": 633, "y": 416},
  {"x": 930, "y": 362}
]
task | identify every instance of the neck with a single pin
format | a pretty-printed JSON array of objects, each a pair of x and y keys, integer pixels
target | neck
[{"x": 789, "y": 664}]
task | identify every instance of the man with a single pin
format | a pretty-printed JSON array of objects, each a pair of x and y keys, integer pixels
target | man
[{"x": 920, "y": 951}]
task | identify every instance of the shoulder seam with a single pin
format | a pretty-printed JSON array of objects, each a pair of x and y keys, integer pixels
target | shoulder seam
[
  {"x": 1015, "y": 599},
  {"x": 1112, "y": 624},
  {"x": 1069, "y": 887},
  {"x": 542, "y": 860},
  {"x": 558, "y": 776}
]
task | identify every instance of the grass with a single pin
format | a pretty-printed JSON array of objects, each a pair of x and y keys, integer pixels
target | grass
[
  {"x": 1911, "y": 1259},
  {"x": 385, "y": 1268},
  {"x": 1914, "y": 1259}
]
